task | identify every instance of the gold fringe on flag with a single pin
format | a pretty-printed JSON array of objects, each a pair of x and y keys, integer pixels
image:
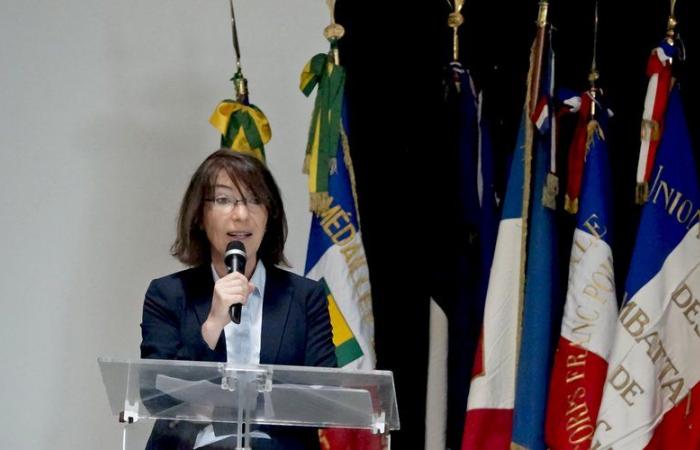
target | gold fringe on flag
[
  {"x": 641, "y": 193},
  {"x": 593, "y": 128},
  {"x": 550, "y": 191},
  {"x": 569, "y": 205}
]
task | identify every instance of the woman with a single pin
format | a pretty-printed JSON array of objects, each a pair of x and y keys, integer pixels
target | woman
[{"x": 186, "y": 314}]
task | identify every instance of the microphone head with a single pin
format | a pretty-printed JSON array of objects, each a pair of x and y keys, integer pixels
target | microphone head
[{"x": 235, "y": 250}]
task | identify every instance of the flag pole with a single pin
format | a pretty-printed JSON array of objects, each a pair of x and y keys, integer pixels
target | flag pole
[
  {"x": 240, "y": 83},
  {"x": 537, "y": 60},
  {"x": 594, "y": 75}
]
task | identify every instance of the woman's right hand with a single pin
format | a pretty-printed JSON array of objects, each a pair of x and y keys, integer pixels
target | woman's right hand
[{"x": 232, "y": 289}]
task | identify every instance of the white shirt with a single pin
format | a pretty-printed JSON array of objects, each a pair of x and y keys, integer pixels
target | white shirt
[{"x": 252, "y": 311}]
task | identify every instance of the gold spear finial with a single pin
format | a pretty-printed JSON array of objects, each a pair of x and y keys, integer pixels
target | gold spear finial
[
  {"x": 542, "y": 14},
  {"x": 333, "y": 32},
  {"x": 672, "y": 17},
  {"x": 454, "y": 21},
  {"x": 671, "y": 26}
]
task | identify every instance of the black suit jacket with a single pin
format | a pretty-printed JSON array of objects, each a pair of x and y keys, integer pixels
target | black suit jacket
[{"x": 296, "y": 330}]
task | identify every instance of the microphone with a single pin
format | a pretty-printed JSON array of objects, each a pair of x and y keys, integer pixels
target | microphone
[{"x": 235, "y": 258}]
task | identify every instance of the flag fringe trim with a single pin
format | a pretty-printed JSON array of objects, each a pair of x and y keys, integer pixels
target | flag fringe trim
[
  {"x": 351, "y": 169},
  {"x": 319, "y": 202},
  {"x": 641, "y": 193},
  {"x": 570, "y": 205},
  {"x": 525, "y": 207},
  {"x": 550, "y": 191}
]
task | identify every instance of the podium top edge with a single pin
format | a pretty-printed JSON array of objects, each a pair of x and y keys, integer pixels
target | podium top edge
[{"x": 183, "y": 363}]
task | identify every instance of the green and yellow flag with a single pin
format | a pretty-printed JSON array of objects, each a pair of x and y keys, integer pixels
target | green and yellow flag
[
  {"x": 243, "y": 126},
  {"x": 320, "y": 162}
]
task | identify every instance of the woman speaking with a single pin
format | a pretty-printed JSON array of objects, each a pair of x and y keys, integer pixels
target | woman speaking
[{"x": 284, "y": 317}]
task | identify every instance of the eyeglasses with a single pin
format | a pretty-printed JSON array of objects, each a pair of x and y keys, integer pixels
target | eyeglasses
[{"x": 227, "y": 204}]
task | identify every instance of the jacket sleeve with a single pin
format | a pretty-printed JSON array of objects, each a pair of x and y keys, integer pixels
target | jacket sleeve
[
  {"x": 168, "y": 331},
  {"x": 320, "y": 350},
  {"x": 160, "y": 325}
]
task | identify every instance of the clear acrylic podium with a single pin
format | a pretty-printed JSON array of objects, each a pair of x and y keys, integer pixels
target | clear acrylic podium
[{"x": 238, "y": 397}]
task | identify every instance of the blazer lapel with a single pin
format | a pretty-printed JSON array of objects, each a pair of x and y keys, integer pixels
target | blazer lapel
[{"x": 276, "y": 303}]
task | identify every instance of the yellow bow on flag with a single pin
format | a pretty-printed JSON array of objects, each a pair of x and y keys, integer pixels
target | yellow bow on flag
[{"x": 243, "y": 128}]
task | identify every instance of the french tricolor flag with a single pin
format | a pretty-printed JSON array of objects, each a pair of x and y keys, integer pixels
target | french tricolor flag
[
  {"x": 489, "y": 420},
  {"x": 541, "y": 114},
  {"x": 660, "y": 80},
  {"x": 590, "y": 312},
  {"x": 651, "y": 394}
]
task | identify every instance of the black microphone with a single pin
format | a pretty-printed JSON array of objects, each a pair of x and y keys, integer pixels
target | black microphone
[{"x": 235, "y": 258}]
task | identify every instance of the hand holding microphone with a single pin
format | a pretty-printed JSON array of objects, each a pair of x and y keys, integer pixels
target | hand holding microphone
[
  {"x": 230, "y": 293},
  {"x": 235, "y": 259}
]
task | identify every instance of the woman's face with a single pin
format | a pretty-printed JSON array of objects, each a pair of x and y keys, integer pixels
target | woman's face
[{"x": 228, "y": 218}]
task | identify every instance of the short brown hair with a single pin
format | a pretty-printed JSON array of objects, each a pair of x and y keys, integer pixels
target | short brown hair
[{"x": 247, "y": 173}]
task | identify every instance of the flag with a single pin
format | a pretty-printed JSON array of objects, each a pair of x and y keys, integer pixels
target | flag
[
  {"x": 243, "y": 126},
  {"x": 323, "y": 73},
  {"x": 659, "y": 73},
  {"x": 653, "y": 371},
  {"x": 542, "y": 301},
  {"x": 541, "y": 115},
  {"x": 336, "y": 257},
  {"x": 335, "y": 253},
  {"x": 577, "y": 150},
  {"x": 488, "y": 422},
  {"x": 462, "y": 291},
  {"x": 587, "y": 329}
]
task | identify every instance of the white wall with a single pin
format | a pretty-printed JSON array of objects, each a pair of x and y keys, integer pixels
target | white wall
[{"x": 104, "y": 109}]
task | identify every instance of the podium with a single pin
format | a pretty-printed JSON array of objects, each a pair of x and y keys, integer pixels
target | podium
[{"x": 210, "y": 397}]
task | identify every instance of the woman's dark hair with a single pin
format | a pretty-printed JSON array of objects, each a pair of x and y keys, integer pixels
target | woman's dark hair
[{"x": 248, "y": 174}]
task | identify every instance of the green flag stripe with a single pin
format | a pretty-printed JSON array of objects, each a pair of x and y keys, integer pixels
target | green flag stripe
[{"x": 348, "y": 352}]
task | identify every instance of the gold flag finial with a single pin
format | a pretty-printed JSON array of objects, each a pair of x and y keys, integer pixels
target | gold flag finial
[
  {"x": 542, "y": 13},
  {"x": 333, "y": 32},
  {"x": 672, "y": 16},
  {"x": 454, "y": 21},
  {"x": 671, "y": 25}
]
